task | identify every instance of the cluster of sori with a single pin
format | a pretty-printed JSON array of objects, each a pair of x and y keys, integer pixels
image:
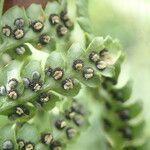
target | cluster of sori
[
  {"x": 82, "y": 67},
  {"x": 10, "y": 89},
  {"x": 57, "y": 74},
  {"x": 62, "y": 28},
  {"x": 39, "y": 30},
  {"x": 38, "y": 82},
  {"x": 34, "y": 84},
  {"x": 32, "y": 89},
  {"x": 99, "y": 59},
  {"x": 121, "y": 120},
  {"x": 68, "y": 124},
  {"x": 18, "y": 32}
]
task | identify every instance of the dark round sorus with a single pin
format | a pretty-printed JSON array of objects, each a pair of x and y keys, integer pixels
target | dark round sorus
[
  {"x": 94, "y": 57},
  {"x": 37, "y": 26},
  {"x": 19, "y": 22},
  {"x": 70, "y": 132},
  {"x": 107, "y": 124},
  {"x": 124, "y": 114},
  {"x": 35, "y": 85},
  {"x": 62, "y": 30},
  {"x": 21, "y": 111},
  {"x": 78, "y": 64},
  {"x": 60, "y": 124},
  {"x": 70, "y": 114},
  {"x": 8, "y": 145},
  {"x": 104, "y": 52},
  {"x": 7, "y": 31},
  {"x": 21, "y": 144},
  {"x": 12, "y": 83},
  {"x": 78, "y": 120},
  {"x": 54, "y": 19},
  {"x": 118, "y": 96},
  {"x": 20, "y": 50},
  {"x": 77, "y": 108},
  {"x": 18, "y": 33},
  {"x": 12, "y": 94},
  {"x": 29, "y": 146},
  {"x": 44, "y": 39},
  {"x": 44, "y": 97},
  {"x": 36, "y": 76},
  {"x": 88, "y": 73},
  {"x": 56, "y": 145},
  {"x": 106, "y": 56},
  {"x": 58, "y": 73},
  {"x": 68, "y": 84},
  {"x": 48, "y": 71},
  {"x": 47, "y": 138},
  {"x": 69, "y": 24},
  {"x": 64, "y": 16},
  {"x": 101, "y": 65},
  {"x": 126, "y": 132}
]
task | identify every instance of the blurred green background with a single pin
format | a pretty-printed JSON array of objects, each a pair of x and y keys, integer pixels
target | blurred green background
[{"x": 129, "y": 21}]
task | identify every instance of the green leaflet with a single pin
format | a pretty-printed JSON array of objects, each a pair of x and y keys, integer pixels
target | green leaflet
[
  {"x": 55, "y": 85},
  {"x": 82, "y": 15},
  {"x": 4, "y": 120},
  {"x": 115, "y": 50},
  {"x": 30, "y": 67},
  {"x": 29, "y": 133},
  {"x": 76, "y": 52},
  {"x": 30, "y": 15},
  {"x": 120, "y": 120},
  {"x": 16, "y": 12},
  {"x": 40, "y": 15},
  {"x": 7, "y": 133},
  {"x": 84, "y": 23},
  {"x": 82, "y": 4},
  {"x": 7, "y": 105},
  {"x": 19, "y": 53},
  {"x": 60, "y": 60},
  {"x": 33, "y": 131}
]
